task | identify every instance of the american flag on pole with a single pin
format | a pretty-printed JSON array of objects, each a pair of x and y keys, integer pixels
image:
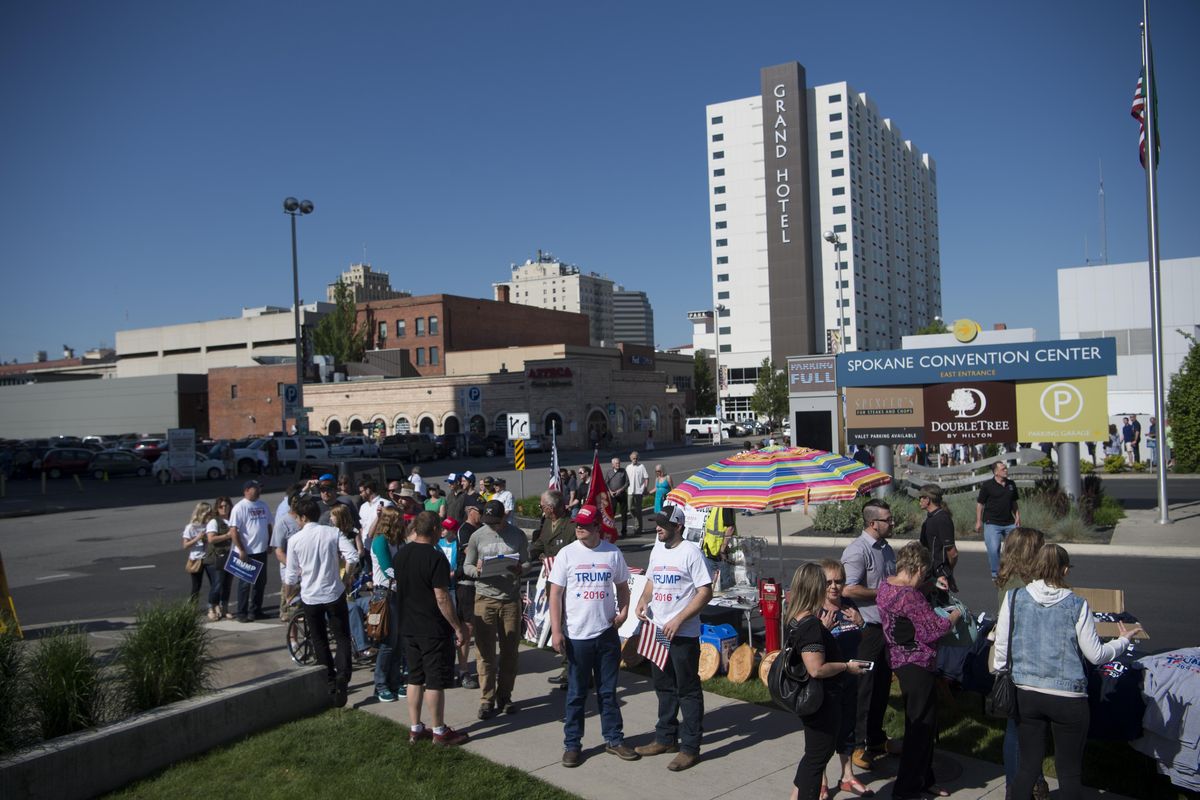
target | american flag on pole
[
  {"x": 527, "y": 617},
  {"x": 654, "y": 644},
  {"x": 554, "y": 482},
  {"x": 1138, "y": 112}
]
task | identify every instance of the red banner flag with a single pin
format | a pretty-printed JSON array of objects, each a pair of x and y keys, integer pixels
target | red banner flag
[{"x": 597, "y": 491}]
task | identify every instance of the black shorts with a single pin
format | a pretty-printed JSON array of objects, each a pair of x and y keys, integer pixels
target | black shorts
[
  {"x": 464, "y": 597},
  {"x": 430, "y": 661}
]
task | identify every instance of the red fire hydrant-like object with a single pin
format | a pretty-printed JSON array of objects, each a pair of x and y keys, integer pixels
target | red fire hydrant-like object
[{"x": 769, "y": 605}]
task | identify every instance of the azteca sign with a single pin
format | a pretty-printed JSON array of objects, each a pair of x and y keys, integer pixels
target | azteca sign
[{"x": 549, "y": 373}]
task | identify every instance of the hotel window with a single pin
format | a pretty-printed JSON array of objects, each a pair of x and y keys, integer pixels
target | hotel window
[
  {"x": 433, "y": 326},
  {"x": 420, "y": 325},
  {"x": 400, "y": 329},
  {"x": 717, "y": 120},
  {"x": 722, "y": 259},
  {"x": 839, "y": 209},
  {"x": 839, "y": 190},
  {"x": 839, "y": 228},
  {"x": 420, "y": 356},
  {"x": 835, "y": 135},
  {"x": 719, "y": 207},
  {"x": 724, "y": 312},
  {"x": 837, "y": 173},
  {"x": 723, "y": 242},
  {"x": 722, "y": 295},
  {"x": 837, "y": 154},
  {"x": 718, "y": 137},
  {"x": 835, "y": 98},
  {"x": 717, "y": 173},
  {"x": 718, "y": 154},
  {"x": 722, "y": 277},
  {"x": 835, "y": 117},
  {"x": 722, "y": 225},
  {"x": 726, "y": 330},
  {"x": 726, "y": 348},
  {"x": 718, "y": 190},
  {"x": 433, "y": 356},
  {"x": 382, "y": 331}
]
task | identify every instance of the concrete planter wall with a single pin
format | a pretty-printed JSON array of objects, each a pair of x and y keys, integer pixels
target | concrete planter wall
[{"x": 93, "y": 762}]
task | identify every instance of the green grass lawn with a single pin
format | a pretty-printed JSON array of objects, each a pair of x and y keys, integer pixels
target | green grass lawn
[
  {"x": 966, "y": 730},
  {"x": 341, "y": 753}
]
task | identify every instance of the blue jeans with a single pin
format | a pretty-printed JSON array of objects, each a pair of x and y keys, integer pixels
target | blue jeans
[
  {"x": 601, "y": 658},
  {"x": 679, "y": 690},
  {"x": 389, "y": 663},
  {"x": 250, "y": 596},
  {"x": 993, "y": 535},
  {"x": 358, "y": 612},
  {"x": 1011, "y": 752}
]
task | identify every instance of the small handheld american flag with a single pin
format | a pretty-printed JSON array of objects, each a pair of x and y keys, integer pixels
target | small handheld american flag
[{"x": 653, "y": 644}]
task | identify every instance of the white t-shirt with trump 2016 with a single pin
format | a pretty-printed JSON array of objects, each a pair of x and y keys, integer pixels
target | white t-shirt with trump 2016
[
  {"x": 252, "y": 518},
  {"x": 589, "y": 578},
  {"x": 675, "y": 573}
]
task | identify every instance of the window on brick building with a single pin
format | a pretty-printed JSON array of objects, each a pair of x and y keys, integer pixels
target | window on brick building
[
  {"x": 382, "y": 331},
  {"x": 419, "y": 324},
  {"x": 233, "y": 391},
  {"x": 433, "y": 356},
  {"x": 400, "y": 329},
  {"x": 420, "y": 356},
  {"x": 433, "y": 326}
]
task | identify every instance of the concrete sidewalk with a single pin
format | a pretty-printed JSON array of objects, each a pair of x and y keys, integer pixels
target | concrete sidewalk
[
  {"x": 1139, "y": 534},
  {"x": 749, "y": 751}
]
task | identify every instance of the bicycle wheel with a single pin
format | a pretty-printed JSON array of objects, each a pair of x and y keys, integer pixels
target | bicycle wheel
[{"x": 298, "y": 644}]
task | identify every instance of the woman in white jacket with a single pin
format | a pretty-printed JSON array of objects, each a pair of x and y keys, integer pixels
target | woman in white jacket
[{"x": 1053, "y": 633}]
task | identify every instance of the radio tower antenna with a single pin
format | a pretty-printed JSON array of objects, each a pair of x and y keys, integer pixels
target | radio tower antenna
[{"x": 1103, "y": 219}]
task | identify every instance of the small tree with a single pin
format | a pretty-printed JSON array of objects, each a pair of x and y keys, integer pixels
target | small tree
[
  {"x": 702, "y": 384},
  {"x": 1183, "y": 411},
  {"x": 936, "y": 326},
  {"x": 770, "y": 398},
  {"x": 337, "y": 334}
]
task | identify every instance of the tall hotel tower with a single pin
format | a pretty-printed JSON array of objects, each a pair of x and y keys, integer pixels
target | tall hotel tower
[{"x": 785, "y": 167}]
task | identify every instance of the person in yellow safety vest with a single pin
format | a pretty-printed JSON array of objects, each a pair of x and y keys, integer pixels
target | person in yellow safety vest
[{"x": 719, "y": 525}]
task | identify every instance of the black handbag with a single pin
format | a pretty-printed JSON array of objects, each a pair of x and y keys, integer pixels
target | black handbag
[
  {"x": 1001, "y": 702},
  {"x": 791, "y": 687}
]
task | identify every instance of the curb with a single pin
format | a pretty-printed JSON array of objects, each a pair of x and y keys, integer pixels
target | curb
[{"x": 94, "y": 762}]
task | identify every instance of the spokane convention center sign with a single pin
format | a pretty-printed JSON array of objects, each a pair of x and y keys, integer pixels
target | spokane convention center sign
[{"x": 1054, "y": 391}]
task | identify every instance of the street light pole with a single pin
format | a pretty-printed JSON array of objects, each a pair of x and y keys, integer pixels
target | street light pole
[
  {"x": 292, "y": 207},
  {"x": 836, "y": 241},
  {"x": 717, "y": 332}
]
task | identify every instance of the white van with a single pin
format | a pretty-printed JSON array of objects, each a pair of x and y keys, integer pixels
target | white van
[{"x": 706, "y": 426}]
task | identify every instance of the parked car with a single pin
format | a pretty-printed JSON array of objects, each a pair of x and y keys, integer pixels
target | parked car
[
  {"x": 408, "y": 447},
  {"x": 383, "y": 470},
  {"x": 241, "y": 460},
  {"x": 534, "y": 444},
  {"x": 707, "y": 426},
  {"x": 438, "y": 450},
  {"x": 289, "y": 448},
  {"x": 354, "y": 447},
  {"x": 149, "y": 449},
  {"x": 465, "y": 445},
  {"x": 203, "y": 467},
  {"x": 60, "y": 461},
  {"x": 117, "y": 462}
]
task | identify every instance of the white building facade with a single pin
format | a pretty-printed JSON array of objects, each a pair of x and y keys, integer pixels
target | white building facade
[
  {"x": 1114, "y": 300},
  {"x": 784, "y": 167},
  {"x": 547, "y": 282}
]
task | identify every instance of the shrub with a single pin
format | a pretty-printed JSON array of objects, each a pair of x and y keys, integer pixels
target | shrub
[
  {"x": 990, "y": 450},
  {"x": 1045, "y": 462},
  {"x": 1070, "y": 528},
  {"x": 1036, "y": 512},
  {"x": 1183, "y": 409},
  {"x": 1086, "y": 467},
  {"x": 14, "y": 707},
  {"x": 1140, "y": 466},
  {"x": 1047, "y": 490},
  {"x": 961, "y": 506},
  {"x": 1114, "y": 464},
  {"x": 842, "y": 517},
  {"x": 1108, "y": 513},
  {"x": 64, "y": 684},
  {"x": 907, "y": 515},
  {"x": 165, "y": 658},
  {"x": 530, "y": 507}
]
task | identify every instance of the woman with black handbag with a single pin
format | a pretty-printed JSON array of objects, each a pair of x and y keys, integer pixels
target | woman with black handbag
[
  {"x": 1053, "y": 635},
  {"x": 823, "y": 661}
]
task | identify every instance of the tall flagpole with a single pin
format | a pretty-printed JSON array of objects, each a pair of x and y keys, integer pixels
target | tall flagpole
[{"x": 1155, "y": 271}]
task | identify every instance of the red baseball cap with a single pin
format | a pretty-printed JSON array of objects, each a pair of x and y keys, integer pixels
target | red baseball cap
[
  {"x": 587, "y": 517},
  {"x": 450, "y": 524}
]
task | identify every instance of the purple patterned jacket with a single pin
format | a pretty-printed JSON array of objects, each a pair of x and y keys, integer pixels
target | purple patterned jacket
[{"x": 910, "y": 626}]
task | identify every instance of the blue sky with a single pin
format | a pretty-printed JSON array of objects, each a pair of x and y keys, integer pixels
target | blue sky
[{"x": 147, "y": 146}]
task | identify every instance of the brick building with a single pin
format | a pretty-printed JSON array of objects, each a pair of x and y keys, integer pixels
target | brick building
[
  {"x": 425, "y": 328},
  {"x": 247, "y": 401}
]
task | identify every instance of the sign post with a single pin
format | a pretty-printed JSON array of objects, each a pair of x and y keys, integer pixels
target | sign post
[{"x": 181, "y": 450}]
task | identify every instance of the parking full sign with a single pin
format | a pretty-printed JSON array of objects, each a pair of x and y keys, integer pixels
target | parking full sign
[{"x": 518, "y": 426}]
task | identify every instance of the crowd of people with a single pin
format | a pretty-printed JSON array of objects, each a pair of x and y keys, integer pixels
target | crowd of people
[{"x": 448, "y": 569}]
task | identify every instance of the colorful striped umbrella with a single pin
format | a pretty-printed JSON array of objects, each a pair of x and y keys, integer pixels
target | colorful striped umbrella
[{"x": 775, "y": 478}]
